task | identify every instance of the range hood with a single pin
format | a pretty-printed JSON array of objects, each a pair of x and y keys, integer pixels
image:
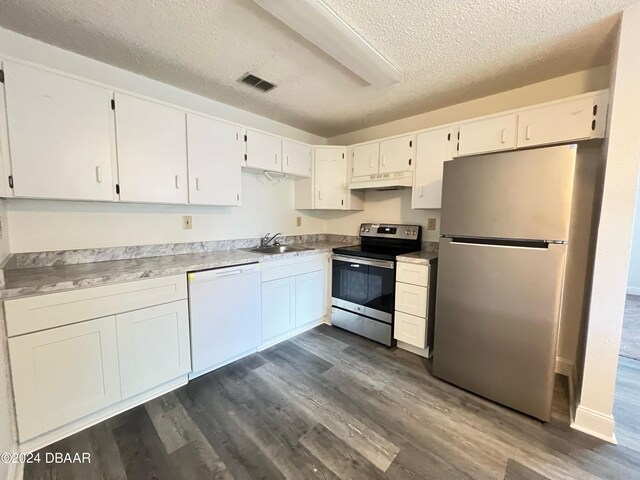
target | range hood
[{"x": 382, "y": 181}]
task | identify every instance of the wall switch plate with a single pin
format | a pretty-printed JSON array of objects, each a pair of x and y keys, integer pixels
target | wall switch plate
[
  {"x": 186, "y": 222},
  {"x": 298, "y": 221},
  {"x": 431, "y": 224}
]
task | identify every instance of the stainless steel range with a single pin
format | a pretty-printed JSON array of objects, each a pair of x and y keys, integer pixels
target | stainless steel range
[{"x": 363, "y": 279}]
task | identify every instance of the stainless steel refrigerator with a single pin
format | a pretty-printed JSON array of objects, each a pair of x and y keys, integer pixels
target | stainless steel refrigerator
[{"x": 506, "y": 222}]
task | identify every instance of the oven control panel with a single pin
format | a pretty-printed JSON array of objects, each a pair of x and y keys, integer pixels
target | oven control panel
[{"x": 388, "y": 230}]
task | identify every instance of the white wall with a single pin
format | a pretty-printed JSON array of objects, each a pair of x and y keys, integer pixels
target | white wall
[
  {"x": 393, "y": 206},
  {"x": 37, "y": 225},
  {"x": 611, "y": 268},
  {"x": 554, "y": 89},
  {"x": 633, "y": 283}
]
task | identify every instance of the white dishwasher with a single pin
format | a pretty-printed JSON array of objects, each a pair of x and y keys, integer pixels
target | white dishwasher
[{"x": 225, "y": 315}]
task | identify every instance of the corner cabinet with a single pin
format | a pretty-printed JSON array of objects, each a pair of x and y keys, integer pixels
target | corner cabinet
[
  {"x": 215, "y": 154},
  {"x": 59, "y": 134},
  {"x": 328, "y": 188},
  {"x": 152, "y": 151}
]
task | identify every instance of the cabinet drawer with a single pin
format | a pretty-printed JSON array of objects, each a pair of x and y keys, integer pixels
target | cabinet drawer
[
  {"x": 293, "y": 266},
  {"x": 411, "y": 299},
  {"x": 24, "y": 315},
  {"x": 410, "y": 329},
  {"x": 413, "y": 274}
]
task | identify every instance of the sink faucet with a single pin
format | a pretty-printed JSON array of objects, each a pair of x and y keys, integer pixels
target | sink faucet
[{"x": 266, "y": 240}]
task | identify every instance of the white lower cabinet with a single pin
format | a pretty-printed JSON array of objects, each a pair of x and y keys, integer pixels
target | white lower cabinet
[
  {"x": 63, "y": 374},
  {"x": 411, "y": 329},
  {"x": 309, "y": 297},
  {"x": 293, "y": 295},
  {"x": 153, "y": 346},
  {"x": 278, "y": 307}
]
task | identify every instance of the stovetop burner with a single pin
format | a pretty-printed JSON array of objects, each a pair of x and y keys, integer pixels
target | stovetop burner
[{"x": 384, "y": 241}]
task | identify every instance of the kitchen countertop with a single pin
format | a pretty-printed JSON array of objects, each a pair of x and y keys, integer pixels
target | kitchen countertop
[
  {"x": 423, "y": 257},
  {"x": 39, "y": 280}
]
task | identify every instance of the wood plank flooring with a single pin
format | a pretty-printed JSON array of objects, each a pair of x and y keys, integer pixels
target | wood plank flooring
[{"x": 328, "y": 404}]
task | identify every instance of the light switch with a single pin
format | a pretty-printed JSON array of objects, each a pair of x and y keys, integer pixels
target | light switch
[{"x": 431, "y": 224}]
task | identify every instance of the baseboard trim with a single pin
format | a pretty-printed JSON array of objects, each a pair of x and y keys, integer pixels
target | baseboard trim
[
  {"x": 595, "y": 424},
  {"x": 633, "y": 290},
  {"x": 422, "y": 352}
]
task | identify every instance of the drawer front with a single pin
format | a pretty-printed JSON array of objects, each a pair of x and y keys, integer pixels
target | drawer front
[
  {"x": 411, "y": 299},
  {"x": 25, "y": 315},
  {"x": 413, "y": 274},
  {"x": 411, "y": 329},
  {"x": 273, "y": 270}
]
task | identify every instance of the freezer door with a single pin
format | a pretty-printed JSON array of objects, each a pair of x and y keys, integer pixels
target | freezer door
[
  {"x": 496, "y": 324},
  {"x": 523, "y": 195}
]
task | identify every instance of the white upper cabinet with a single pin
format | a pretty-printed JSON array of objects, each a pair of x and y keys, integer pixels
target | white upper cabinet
[
  {"x": 397, "y": 154},
  {"x": 488, "y": 135},
  {"x": 152, "y": 151},
  {"x": 433, "y": 149},
  {"x": 561, "y": 122},
  {"x": 215, "y": 151},
  {"x": 330, "y": 178},
  {"x": 296, "y": 158},
  {"x": 366, "y": 159},
  {"x": 60, "y": 135},
  {"x": 264, "y": 151}
]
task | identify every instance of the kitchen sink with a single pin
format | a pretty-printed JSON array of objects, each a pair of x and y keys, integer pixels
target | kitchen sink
[{"x": 278, "y": 249}]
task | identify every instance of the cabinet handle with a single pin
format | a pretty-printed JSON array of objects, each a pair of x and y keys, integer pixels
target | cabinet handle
[
  {"x": 177, "y": 181},
  {"x": 384, "y": 160},
  {"x": 99, "y": 174},
  {"x": 370, "y": 162},
  {"x": 197, "y": 184},
  {"x": 287, "y": 160},
  {"x": 276, "y": 156},
  {"x": 319, "y": 194},
  {"x": 420, "y": 191},
  {"x": 527, "y": 133},
  {"x": 503, "y": 136}
]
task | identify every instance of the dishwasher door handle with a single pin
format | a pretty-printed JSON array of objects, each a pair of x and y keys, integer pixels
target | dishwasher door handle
[{"x": 229, "y": 273}]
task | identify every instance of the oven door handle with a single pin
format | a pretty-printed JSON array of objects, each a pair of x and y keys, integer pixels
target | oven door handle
[{"x": 356, "y": 262}]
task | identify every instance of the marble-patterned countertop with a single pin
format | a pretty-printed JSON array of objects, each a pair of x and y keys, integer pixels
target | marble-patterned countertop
[
  {"x": 38, "y": 280},
  {"x": 423, "y": 257}
]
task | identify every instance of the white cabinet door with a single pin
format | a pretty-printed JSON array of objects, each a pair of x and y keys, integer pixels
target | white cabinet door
[
  {"x": 397, "y": 154},
  {"x": 296, "y": 158},
  {"x": 60, "y": 135},
  {"x": 278, "y": 307},
  {"x": 309, "y": 297},
  {"x": 153, "y": 346},
  {"x": 412, "y": 273},
  {"x": 215, "y": 151},
  {"x": 264, "y": 151},
  {"x": 365, "y": 159},
  {"x": 433, "y": 149},
  {"x": 152, "y": 151},
  {"x": 411, "y": 299},
  {"x": 557, "y": 123},
  {"x": 410, "y": 329},
  {"x": 488, "y": 135},
  {"x": 330, "y": 178},
  {"x": 63, "y": 374}
]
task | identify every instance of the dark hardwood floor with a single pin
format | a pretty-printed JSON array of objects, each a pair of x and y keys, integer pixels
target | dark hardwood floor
[{"x": 327, "y": 405}]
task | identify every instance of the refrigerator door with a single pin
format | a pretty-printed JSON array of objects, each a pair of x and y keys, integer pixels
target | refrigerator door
[
  {"x": 497, "y": 316},
  {"x": 521, "y": 195}
]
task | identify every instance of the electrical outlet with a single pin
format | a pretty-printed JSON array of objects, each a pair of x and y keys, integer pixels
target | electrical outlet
[
  {"x": 431, "y": 224},
  {"x": 298, "y": 221},
  {"x": 186, "y": 222}
]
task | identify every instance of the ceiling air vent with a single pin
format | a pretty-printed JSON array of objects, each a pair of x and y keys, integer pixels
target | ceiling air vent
[{"x": 256, "y": 82}]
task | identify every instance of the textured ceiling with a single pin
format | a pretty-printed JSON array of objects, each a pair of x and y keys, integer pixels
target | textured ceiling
[{"x": 449, "y": 51}]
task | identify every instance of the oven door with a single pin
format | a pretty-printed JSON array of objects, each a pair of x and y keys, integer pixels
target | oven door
[{"x": 364, "y": 286}]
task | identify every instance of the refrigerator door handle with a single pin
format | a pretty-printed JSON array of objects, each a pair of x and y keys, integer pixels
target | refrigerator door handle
[{"x": 499, "y": 242}]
